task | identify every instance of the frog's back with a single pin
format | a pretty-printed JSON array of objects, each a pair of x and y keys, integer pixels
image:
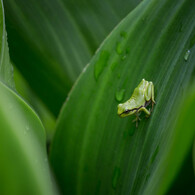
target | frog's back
[{"x": 138, "y": 95}]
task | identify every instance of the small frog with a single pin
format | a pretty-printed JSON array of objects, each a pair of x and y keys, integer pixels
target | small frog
[{"x": 142, "y": 96}]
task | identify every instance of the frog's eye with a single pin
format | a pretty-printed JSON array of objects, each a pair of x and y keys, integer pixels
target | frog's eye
[
  {"x": 126, "y": 111},
  {"x": 120, "y": 105}
]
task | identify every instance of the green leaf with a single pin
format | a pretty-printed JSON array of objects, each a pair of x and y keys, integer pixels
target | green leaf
[
  {"x": 48, "y": 120},
  {"x": 96, "y": 152},
  {"x": 23, "y": 166},
  {"x": 6, "y": 70},
  {"x": 178, "y": 145},
  {"x": 184, "y": 181},
  {"x": 51, "y": 41},
  {"x": 194, "y": 155}
]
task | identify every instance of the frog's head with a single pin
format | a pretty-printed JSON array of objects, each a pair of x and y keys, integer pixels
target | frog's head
[{"x": 125, "y": 110}]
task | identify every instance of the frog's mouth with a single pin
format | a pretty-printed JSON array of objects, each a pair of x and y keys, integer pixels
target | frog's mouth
[
  {"x": 128, "y": 111},
  {"x": 125, "y": 112}
]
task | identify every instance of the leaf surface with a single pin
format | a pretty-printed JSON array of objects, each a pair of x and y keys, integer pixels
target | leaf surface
[
  {"x": 23, "y": 166},
  {"x": 51, "y": 41},
  {"x": 96, "y": 152},
  {"x": 6, "y": 69},
  {"x": 178, "y": 145}
]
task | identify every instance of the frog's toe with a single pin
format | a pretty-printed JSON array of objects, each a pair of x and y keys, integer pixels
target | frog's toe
[{"x": 137, "y": 119}]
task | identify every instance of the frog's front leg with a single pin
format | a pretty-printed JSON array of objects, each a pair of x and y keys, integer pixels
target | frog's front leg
[
  {"x": 137, "y": 118},
  {"x": 145, "y": 110},
  {"x": 138, "y": 113}
]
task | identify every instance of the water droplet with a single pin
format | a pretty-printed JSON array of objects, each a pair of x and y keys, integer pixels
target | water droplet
[
  {"x": 154, "y": 155},
  {"x": 123, "y": 34},
  {"x": 187, "y": 54},
  {"x": 101, "y": 63},
  {"x": 123, "y": 57},
  {"x": 115, "y": 177},
  {"x": 113, "y": 66},
  {"x": 127, "y": 50},
  {"x": 120, "y": 95},
  {"x": 144, "y": 19},
  {"x": 27, "y": 128},
  {"x": 119, "y": 49}
]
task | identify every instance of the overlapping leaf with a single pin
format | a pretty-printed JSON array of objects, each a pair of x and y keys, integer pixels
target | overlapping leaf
[
  {"x": 31, "y": 98},
  {"x": 24, "y": 167},
  {"x": 6, "y": 70},
  {"x": 23, "y": 160},
  {"x": 96, "y": 152},
  {"x": 51, "y": 41}
]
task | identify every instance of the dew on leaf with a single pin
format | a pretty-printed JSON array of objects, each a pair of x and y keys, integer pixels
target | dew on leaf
[
  {"x": 123, "y": 57},
  {"x": 187, "y": 54},
  {"x": 27, "y": 128},
  {"x": 123, "y": 34},
  {"x": 119, "y": 49},
  {"x": 113, "y": 66},
  {"x": 120, "y": 95},
  {"x": 101, "y": 63}
]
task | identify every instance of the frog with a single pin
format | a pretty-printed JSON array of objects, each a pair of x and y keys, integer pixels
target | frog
[{"x": 142, "y": 97}]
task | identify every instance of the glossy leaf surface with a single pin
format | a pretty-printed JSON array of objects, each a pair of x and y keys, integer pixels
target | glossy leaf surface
[
  {"x": 24, "y": 167},
  {"x": 96, "y": 152},
  {"x": 6, "y": 69},
  {"x": 51, "y": 41}
]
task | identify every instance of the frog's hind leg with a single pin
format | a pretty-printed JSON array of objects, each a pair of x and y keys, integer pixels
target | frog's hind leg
[
  {"x": 149, "y": 94},
  {"x": 153, "y": 101}
]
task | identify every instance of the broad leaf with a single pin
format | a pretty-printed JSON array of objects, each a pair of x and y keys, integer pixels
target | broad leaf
[
  {"x": 194, "y": 155},
  {"x": 178, "y": 145},
  {"x": 184, "y": 180},
  {"x": 24, "y": 167},
  {"x": 45, "y": 115},
  {"x": 51, "y": 41},
  {"x": 6, "y": 70},
  {"x": 96, "y": 152}
]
